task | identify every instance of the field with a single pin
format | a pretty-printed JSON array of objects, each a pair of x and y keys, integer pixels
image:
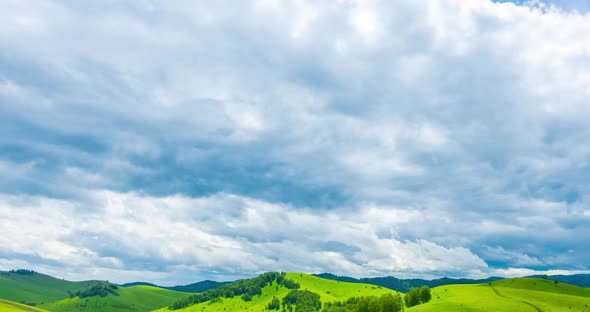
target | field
[
  {"x": 134, "y": 298},
  {"x": 11, "y": 306},
  {"x": 522, "y": 294},
  {"x": 47, "y": 293},
  {"x": 53, "y": 294},
  {"x": 328, "y": 290},
  {"x": 37, "y": 288}
]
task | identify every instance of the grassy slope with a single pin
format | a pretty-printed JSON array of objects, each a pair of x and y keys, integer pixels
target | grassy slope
[
  {"x": 37, "y": 288},
  {"x": 522, "y": 295},
  {"x": 134, "y": 298},
  {"x": 328, "y": 290},
  {"x": 11, "y": 306}
]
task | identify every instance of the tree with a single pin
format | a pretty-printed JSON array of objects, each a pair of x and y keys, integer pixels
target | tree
[
  {"x": 275, "y": 304},
  {"x": 425, "y": 295},
  {"x": 544, "y": 276},
  {"x": 412, "y": 298}
]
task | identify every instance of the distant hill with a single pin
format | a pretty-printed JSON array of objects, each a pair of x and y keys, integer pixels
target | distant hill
[
  {"x": 191, "y": 288},
  {"x": 404, "y": 285},
  {"x": 580, "y": 280}
]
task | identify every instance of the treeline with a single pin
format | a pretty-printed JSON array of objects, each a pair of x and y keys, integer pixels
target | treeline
[
  {"x": 23, "y": 272},
  {"x": 101, "y": 289},
  {"x": 246, "y": 288},
  {"x": 385, "y": 303},
  {"x": 417, "y": 296}
]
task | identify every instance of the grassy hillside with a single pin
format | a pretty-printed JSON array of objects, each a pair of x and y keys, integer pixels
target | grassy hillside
[
  {"x": 11, "y": 306},
  {"x": 508, "y": 295},
  {"x": 35, "y": 288},
  {"x": 329, "y": 290},
  {"x": 404, "y": 285},
  {"x": 134, "y": 298}
]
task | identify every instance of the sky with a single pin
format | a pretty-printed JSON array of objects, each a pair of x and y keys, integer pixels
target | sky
[{"x": 176, "y": 141}]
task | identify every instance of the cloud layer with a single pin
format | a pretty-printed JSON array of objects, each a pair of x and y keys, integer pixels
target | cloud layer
[{"x": 184, "y": 141}]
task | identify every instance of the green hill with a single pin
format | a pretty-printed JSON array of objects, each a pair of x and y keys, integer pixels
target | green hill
[
  {"x": 59, "y": 295},
  {"x": 328, "y": 291},
  {"x": 35, "y": 288},
  {"x": 133, "y": 298},
  {"x": 11, "y": 306},
  {"x": 404, "y": 285},
  {"x": 521, "y": 294},
  {"x": 278, "y": 291}
]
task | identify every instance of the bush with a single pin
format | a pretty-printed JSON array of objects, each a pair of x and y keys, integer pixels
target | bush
[
  {"x": 102, "y": 290},
  {"x": 275, "y": 304}
]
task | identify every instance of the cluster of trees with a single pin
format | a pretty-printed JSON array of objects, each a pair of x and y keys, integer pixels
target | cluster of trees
[
  {"x": 302, "y": 300},
  {"x": 274, "y": 304},
  {"x": 23, "y": 272},
  {"x": 246, "y": 288},
  {"x": 102, "y": 289},
  {"x": 385, "y": 303},
  {"x": 417, "y": 296}
]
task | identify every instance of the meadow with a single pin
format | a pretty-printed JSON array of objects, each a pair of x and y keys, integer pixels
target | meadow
[{"x": 35, "y": 292}]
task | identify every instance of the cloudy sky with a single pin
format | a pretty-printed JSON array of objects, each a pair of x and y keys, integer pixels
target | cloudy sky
[{"x": 174, "y": 141}]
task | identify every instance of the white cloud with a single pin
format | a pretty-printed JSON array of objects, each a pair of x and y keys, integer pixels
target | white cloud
[
  {"x": 433, "y": 129},
  {"x": 221, "y": 233}
]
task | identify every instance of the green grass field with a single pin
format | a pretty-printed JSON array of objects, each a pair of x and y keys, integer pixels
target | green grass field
[
  {"x": 134, "y": 298},
  {"x": 521, "y": 294},
  {"x": 509, "y": 295},
  {"x": 11, "y": 306},
  {"x": 328, "y": 290},
  {"x": 37, "y": 288}
]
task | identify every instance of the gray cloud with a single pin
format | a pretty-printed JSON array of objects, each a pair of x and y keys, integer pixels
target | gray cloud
[{"x": 450, "y": 130}]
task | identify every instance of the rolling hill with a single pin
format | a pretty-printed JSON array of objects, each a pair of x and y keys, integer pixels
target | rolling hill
[
  {"x": 57, "y": 295},
  {"x": 34, "y": 288},
  {"x": 328, "y": 291},
  {"x": 259, "y": 294},
  {"x": 404, "y": 285},
  {"x": 133, "y": 298},
  {"x": 520, "y": 294}
]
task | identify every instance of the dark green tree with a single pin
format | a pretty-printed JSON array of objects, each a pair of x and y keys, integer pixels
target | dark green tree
[
  {"x": 412, "y": 298},
  {"x": 425, "y": 295},
  {"x": 275, "y": 304}
]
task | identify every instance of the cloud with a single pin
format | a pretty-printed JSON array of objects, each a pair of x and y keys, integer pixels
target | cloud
[
  {"x": 218, "y": 235},
  {"x": 445, "y": 129}
]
